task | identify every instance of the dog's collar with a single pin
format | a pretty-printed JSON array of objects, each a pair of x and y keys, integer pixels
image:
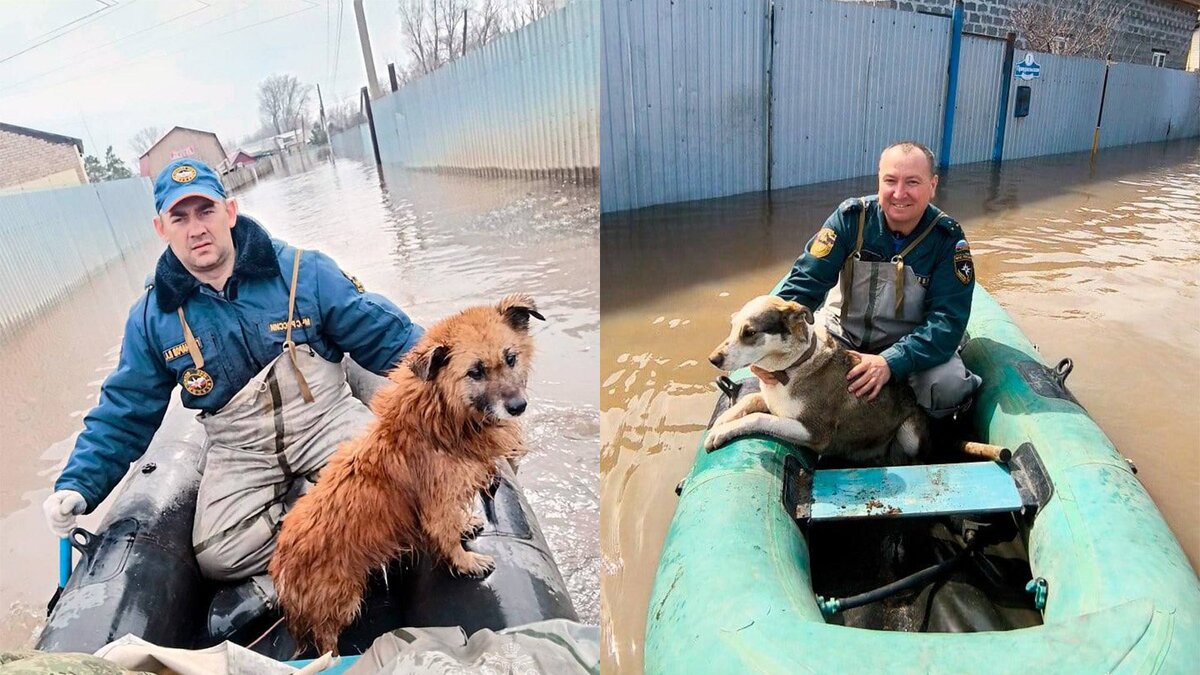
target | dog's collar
[{"x": 781, "y": 375}]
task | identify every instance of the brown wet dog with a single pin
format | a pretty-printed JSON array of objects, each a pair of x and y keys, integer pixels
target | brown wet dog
[{"x": 410, "y": 480}]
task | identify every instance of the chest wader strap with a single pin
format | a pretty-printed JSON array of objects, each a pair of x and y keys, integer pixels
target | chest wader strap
[
  {"x": 287, "y": 336},
  {"x": 847, "y": 276},
  {"x": 898, "y": 260},
  {"x": 190, "y": 340}
]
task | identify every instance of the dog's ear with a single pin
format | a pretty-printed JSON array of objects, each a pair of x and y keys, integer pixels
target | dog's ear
[
  {"x": 797, "y": 313},
  {"x": 516, "y": 310},
  {"x": 426, "y": 364}
]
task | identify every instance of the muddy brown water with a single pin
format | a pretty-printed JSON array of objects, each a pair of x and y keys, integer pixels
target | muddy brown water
[
  {"x": 431, "y": 243},
  {"x": 1099, "y": 263}
]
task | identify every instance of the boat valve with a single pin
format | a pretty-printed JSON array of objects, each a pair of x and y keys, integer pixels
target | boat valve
[{"x": 1040, "y": 589}]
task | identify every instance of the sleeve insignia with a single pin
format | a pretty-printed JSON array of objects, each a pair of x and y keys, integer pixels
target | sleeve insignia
[
  {"x": 357, "y": 284},
  {"x": 852, "y": 205},
  {"x": 964, "y": 267},
  {"x": 823, "y": 243}
]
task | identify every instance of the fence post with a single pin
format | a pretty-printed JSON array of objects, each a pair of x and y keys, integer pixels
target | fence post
[
  {"x": 1010, "y": 44},
  {"x": 951, "y": 85},
  {"x": 1100, "y": 115},
  {"x": 371, "y": 125}
]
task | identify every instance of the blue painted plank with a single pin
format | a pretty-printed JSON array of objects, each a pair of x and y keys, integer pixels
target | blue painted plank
[
  {"x": 904, "y": 491},
  {"x": 340, "y": 664}
]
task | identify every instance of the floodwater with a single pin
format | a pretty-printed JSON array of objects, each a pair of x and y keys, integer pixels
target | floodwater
[
  {"x": 431, "y": 243},
  {"x": 1101, "y": 264}
]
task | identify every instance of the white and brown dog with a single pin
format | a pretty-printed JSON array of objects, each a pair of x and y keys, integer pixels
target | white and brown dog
[{"x": 804, "y": 397}]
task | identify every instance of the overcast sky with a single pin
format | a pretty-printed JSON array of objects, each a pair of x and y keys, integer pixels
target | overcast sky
[{"x": 107, "y": 68}]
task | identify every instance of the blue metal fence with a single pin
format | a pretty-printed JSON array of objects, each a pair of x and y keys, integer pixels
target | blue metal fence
[
  {"x": 685, "y": 86},
  {"x": 684, "y": 100},
  {"x": 526, "y": 103},
  {"x": 52, "y": 240}
]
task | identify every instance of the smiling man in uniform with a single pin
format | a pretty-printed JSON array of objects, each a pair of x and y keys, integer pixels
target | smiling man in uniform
[
  {"x": 253, "y": 330},
  {"x": 895, "y": 277}
]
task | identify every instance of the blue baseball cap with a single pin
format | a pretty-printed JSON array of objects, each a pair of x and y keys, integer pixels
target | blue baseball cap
[{"x": 184, "y": 178}]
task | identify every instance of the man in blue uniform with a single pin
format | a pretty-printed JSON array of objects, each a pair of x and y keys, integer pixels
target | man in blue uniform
[
  {"x": 896, "y": 278},
  {"x": 253, "y": 331}
]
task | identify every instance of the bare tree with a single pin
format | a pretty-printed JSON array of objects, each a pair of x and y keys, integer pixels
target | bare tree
[
  {"x": 343, "y": 116},
  {"x": 283, "y": 103},
  {"x": 144, "y": 139},
  {"x": 1084, "y": 29},
  {"x": 436, "y": 32},
  {"x": 528, "y": 11}
]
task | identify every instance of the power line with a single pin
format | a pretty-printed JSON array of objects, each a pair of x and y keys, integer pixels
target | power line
[
  {"x": 75, "y": 61},
  {"x": 106, "y": 6},
  {"x": 160, "y": 44},
  {"x": 312, "y": 4},
  {"x": 337, "y": 52},
  {"x": 328, "y": 38}
]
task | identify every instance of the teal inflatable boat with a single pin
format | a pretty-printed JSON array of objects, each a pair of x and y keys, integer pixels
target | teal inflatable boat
[{"x": 1056, "y": 561}]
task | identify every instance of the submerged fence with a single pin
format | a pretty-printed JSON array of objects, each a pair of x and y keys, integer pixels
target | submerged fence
[
  {"x": 710, "y": 99},
  {"x": 524, "y": 104},
  {"x": 52, "y": 240}
]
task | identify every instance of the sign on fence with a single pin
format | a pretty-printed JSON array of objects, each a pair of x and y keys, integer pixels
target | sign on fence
[{"x": 1027, "y": 69}]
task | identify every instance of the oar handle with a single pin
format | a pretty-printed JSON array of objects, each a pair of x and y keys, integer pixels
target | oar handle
[{"x": 64, "y": 562}]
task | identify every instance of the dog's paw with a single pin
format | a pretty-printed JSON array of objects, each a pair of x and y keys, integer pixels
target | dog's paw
[
  {"x": 715, "y": 439},
  {"x": 473, "y": 528},
  {"x": 474, "y": 565}
]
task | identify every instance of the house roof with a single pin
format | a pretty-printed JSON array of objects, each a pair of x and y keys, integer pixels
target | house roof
[
  {"x": 44, "y": 135},
  {"x": 199, "y": 131}
]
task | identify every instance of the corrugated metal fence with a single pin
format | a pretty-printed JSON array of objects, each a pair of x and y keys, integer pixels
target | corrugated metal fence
[
  {"x": 52, "y": 240},
  {"x": 687, "y": 88},
  {"x": 524, "y": 104},
  {"x": 847, "y": 80},
  {"x": 684, "y": 103},
  {"x": 1062, "y": 108}
]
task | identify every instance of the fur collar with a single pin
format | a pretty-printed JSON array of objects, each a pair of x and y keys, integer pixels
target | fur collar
[{"x": 255, "y": 260}]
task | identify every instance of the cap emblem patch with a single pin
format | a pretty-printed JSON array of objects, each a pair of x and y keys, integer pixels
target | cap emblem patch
[{"x": 184, "y": 174}]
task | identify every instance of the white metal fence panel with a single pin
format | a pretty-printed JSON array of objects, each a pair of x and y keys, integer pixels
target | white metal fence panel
[
  {"x": 52, "y": 240},
  {"x": 1146, "y": 104},
  {"x": 684, "y": 101},
  {"x": 979, "y": 76},
  {"x": 848, "y": 80},
  {"x": 1063, "y": 104},
  {"x": 349, "y": 142},
  {"x": 526, "y": 103}
]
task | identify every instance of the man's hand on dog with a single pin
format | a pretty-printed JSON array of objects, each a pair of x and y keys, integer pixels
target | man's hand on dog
[{"x": 869, "y": 375}]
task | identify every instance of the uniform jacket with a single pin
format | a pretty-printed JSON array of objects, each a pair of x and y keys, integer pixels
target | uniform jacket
[
  {"x": 941, "y": 262},
  {"x": 240, "y": 331}
]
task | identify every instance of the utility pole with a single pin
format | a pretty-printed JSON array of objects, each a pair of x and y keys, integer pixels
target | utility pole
[
  {"x": 321, "y": 107},
  {"x": 365, "y": 41},
  {"x": 324, "y": 124}
]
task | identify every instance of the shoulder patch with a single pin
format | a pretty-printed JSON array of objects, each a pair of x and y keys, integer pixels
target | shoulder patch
[
  {"x": 852, "y": 205},
  {"x": 962, "y": 245},
  {"x": 354, "y": 280},
  {"x": 823, "y": 243},
  {"x": 950, "y": 224},
  {"x": 964, "y": 267}
]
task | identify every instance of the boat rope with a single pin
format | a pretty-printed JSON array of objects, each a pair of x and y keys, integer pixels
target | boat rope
[
  {"x": 834, "y": 605},
  {"x": 268, "y": 632}
]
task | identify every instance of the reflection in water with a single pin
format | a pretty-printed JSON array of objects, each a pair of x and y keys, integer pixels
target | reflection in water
[
  {"x": 433, "y": 244},
  {"x": 1096, "y": 263}
]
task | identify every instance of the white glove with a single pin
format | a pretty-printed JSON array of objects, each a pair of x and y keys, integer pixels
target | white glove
[{"x": 60, "y": 509}]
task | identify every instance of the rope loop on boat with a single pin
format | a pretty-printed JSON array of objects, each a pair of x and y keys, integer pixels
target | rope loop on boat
[{"x": 1063, "y": 370}]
